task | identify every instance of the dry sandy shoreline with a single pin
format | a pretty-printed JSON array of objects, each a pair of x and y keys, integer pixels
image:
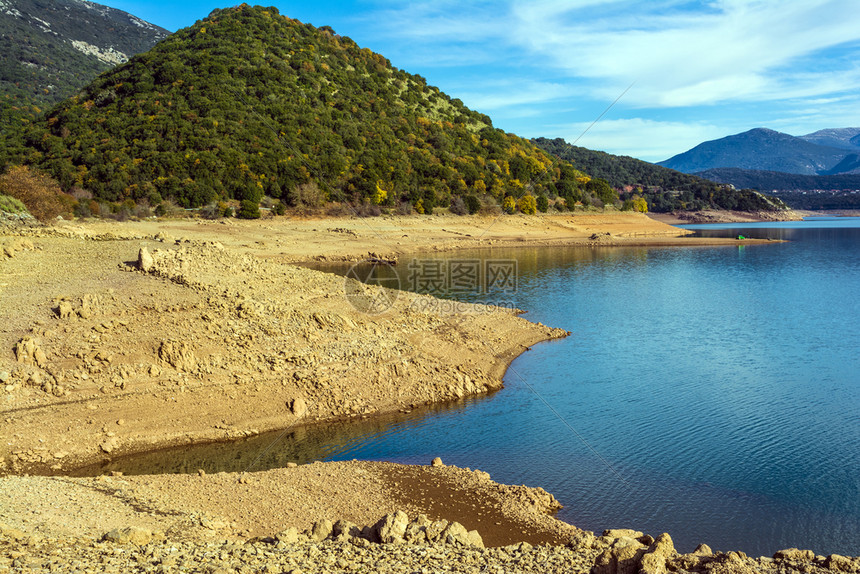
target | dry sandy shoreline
[{"x": 219, "y": 337}]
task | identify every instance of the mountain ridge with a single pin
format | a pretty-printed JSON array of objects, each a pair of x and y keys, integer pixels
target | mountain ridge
[
  {"x": 847, "y": 138},
  {"x": 51, "y": 48},
  {"x": 761, "y": 149}
]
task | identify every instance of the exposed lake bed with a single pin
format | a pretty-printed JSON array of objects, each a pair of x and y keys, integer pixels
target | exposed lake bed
[{"x": 509, "y": 450}]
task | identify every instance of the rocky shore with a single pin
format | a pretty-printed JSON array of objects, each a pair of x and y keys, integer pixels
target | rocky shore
[{"x": 331, "y": 517}]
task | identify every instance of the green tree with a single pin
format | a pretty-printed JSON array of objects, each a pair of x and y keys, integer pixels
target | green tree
[
  {"x": 248, "y": 210},
  {"x": 602, "y": 190},
  {"x": 473, "y": 204}
]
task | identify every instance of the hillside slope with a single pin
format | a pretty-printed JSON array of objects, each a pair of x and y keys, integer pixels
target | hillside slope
[
  {"x": 51, "y": 48},
  {"x": 665, "y": 189},
  {"x": 758, "y": 149},
  {"x": 248, "y": 102}
]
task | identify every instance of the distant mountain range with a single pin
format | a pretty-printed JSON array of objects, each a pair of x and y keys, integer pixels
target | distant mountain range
[
  {"x": 49, "y": 49},
  {"x": 825, "y": 152}
]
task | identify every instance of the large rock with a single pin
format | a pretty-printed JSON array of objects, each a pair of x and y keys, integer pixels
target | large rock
[
  {"x": 456, "y": 533},
  {"x": 298, "y": 406},
  {"x": 129, "y": 535},
  {"x": 475, "y": 539},
  {"x": 66, "y": 311},
  {"x": 434, "y": 531},
  {"x": 109, "y": 445},
  {"x": 25, "y": 349},
  {"x": 11, "y": 533},
  {"x": 416, "y": 531},
  {"x": 145, "y": 262},
  {"x": 288, "y": 536},
  {"x": 623, "y": 557},
  {"x": 793, "y": 554},
  {"x": 321, "y": 530},
  {"x": 654, "y": 560},
  {"x": 391, "y": 528},
  {"x": 344, "y": 530},
  {"x": 839, "y": 563}
]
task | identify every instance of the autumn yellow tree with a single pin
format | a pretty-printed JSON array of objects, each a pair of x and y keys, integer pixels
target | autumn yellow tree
[
  {"x": 640, "y": 204},
  {"x": 528, "y": 204}
]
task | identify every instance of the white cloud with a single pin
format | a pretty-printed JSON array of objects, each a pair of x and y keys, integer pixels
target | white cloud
[
  {"x": 722, "y": 51},
  {"x": 733, "y": 50}
]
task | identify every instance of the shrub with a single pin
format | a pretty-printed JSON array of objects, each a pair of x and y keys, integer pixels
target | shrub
[
  {"x": 542, "y": 203},
  {"x": 280, "y": 208},
  {"x": 306, "y": 195},
  {"x": 211, "y": 211},
  {"x": 11, "y": 205},
  {"x": 338, "y": 209},
  {"x": 404, "y": 208},
  {"x": 367, "y": 209},
  {"x": 509, "y": 205},
  {"x": 40, "y": 193},
  {"x": 142, "y": 211},
  {"x": 473, "y": 204},
  {"x": 248, "y": 209},
  {"x": 490, "y": 207},
  {"x": 167, "y": 209},
  {"x": 458, "y": 206}
]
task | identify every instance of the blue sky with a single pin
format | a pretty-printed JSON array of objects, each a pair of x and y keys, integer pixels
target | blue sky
[{"x": 699, "y": 70}]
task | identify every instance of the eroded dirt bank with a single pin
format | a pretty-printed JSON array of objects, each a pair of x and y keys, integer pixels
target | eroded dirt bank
[{"x": 209, "y": 344}]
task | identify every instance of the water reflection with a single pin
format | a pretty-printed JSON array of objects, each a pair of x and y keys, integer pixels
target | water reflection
[{"x": 273, "y": 449}]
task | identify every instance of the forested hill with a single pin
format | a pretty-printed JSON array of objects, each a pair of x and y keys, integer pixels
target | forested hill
[
  {"x": 248, "y": 102},
  {"x": 665, "y": 189}
]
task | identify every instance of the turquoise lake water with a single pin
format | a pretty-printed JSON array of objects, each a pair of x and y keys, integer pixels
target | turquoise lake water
[{"x": 709, "y": 392}]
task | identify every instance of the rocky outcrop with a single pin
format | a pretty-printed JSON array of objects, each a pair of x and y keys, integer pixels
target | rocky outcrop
[
  {"x": 394, "y": 528},
  {"x": 28, "y": 351},
  {"x": 178, "y": 355},
  {"x": 130, "y": 535},
  {"x": 12, "y": 248}
]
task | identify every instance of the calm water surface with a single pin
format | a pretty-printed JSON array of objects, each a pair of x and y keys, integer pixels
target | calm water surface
[{"x": 713, "y": 393}]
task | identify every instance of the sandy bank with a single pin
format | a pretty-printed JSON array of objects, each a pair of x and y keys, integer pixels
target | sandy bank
[
  {"x": 721, "y": 216},
  {"x": 209, "y": 344},
  {"x": 331, "y": 517},
  {"x": 293, "y": 239}
]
